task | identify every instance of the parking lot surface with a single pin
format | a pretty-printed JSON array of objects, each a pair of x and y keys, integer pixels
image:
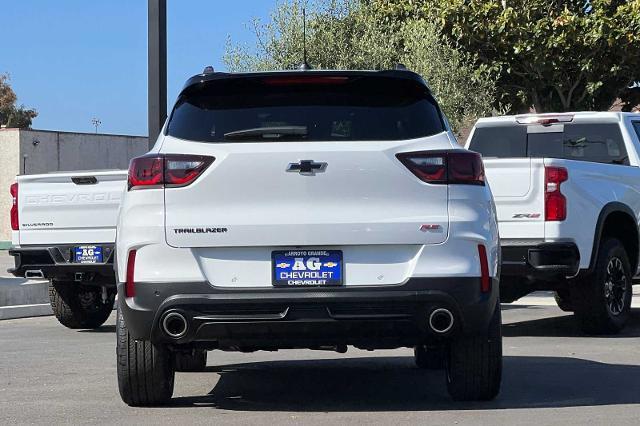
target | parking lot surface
[{"x": 552, "y": 374}]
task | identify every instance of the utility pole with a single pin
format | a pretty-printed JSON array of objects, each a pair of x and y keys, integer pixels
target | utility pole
[{"x": 157, "y": 69}]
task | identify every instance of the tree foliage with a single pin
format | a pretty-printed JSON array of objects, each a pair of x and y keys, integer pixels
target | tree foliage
[
  {"x": 553, "y": 55},
  {"x": 12, "y": 115},
  {"x": 349, "y": 34}
]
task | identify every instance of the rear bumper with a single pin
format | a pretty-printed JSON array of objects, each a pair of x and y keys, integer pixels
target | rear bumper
[
  {"x": 56, "y": 262},
  {"x": 545, "y": 261},
  {"x": 277, "y": 318}
]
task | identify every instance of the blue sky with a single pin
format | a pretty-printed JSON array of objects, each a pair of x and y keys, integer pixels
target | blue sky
[{"x": 73, "y": 60}]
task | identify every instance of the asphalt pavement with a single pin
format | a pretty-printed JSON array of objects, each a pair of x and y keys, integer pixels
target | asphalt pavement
[{"x": 552, "y": 375}]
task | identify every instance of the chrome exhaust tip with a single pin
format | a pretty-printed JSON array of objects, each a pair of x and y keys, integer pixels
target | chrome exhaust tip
[
  {"x": 441, "y": 320},
  {"x": 174, "y": 324}
]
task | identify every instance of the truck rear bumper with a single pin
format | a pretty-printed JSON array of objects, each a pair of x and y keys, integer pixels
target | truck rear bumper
[
  {"x": 56, "y": 262},
  {"x": 545, "y": 261},
  {"x": 278, "y": 318}
]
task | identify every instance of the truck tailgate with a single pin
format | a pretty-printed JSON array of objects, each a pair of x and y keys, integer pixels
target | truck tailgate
[
  {"x": 518, "y": 189},
  {"x": 69, "y": 207}
]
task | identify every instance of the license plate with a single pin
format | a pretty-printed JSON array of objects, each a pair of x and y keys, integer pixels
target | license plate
[
  {"x": 88, "y": 254},
  {"x": 307, "y": 268}
]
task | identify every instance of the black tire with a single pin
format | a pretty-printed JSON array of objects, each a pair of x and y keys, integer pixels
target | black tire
[
  {"x": 196, "y": 360},
  {"x": 430, "y": 357},
  {"x": 474, "y": 367},
  {"x": 145, "y": 371},
  {"x": 602, "y": 300},
  {"x": 80, "y": 306},
  {"x": 563, "y": 300}
]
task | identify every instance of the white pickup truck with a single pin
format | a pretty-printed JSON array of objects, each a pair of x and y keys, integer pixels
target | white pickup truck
[
  {"x": 64, "y": 229},
  {"x": 567, "y": 193}
]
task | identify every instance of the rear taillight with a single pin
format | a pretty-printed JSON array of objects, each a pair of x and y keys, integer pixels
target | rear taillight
[
  {"x": 130, "y": 285},
  {"x": 15, "y": 222},
  {"x": 555, "y": 204},
  {"x": 168, "y": 170},
  {"x": 445, "y": 167}
]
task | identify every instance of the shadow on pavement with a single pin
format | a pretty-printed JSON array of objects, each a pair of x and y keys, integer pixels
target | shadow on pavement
[
  {"x": 563, "y": 326},
  {"x": 102, "y": 329},
  {"x": 394, "y": 384}
]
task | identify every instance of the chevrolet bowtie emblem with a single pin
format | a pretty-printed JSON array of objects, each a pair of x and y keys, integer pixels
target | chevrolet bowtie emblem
[{"x": 307, "y": 167}]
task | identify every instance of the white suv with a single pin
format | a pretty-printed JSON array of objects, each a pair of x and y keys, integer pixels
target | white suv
[{"x": 307, "y": 209}]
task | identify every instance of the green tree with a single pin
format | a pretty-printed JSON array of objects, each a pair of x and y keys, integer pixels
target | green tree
[
  {"x": 464, "y": 92},
  {"x": 349, "y": 34},
  {"x": 553, "y": 55},
  {"x": 12, "y": 115}
]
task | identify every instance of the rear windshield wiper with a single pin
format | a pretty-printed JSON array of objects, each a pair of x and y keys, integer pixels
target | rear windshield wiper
[{"x": 275, "y": 132}]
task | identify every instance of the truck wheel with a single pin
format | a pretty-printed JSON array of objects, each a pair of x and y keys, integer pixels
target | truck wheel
[
  {"x": 474, "y": 365},
  {"x": 603, "y": 300},
  {"x": 80, "y": 306},
  {"x": 145, "y": 371},
  {"x": 196, "y": 360},
  {"x": 429, "y": 357},
  {"x": 563, "y": 299}
]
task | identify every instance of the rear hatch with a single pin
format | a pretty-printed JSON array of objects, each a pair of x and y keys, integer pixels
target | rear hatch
[
  {"x": 305, "y": 160},
  {"x": 69, "y": 207}
]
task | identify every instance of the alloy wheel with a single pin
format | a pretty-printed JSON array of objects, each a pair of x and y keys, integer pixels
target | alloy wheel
[{"x": 615, "y": 286}]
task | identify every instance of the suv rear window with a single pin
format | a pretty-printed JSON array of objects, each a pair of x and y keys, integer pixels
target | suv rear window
[
  {"x": 598, "y": 143},
  {"x": 314, "y": 108}
]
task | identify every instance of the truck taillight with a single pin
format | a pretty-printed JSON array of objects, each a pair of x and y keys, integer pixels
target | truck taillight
[
  {"x": 445, "y": 167},
  {"x": 166, "y": 170},
  {"x": 555, "y": 203},
  {"x": 15, "y": 222}
]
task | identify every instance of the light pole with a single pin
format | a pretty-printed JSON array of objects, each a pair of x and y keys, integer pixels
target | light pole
[
  {"x": 96, "y": 122},
  {"x": 157, "y": 61}
]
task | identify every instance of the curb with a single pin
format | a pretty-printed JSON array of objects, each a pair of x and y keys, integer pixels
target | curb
[
  {"x": 24, "y": 311},
  {"x": 20, "y": 298}
]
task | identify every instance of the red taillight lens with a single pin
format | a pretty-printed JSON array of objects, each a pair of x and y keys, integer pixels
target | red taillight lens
[
  {"x": 465, "y": 168},
  {"x": 130, "y": 285},
  {"x": 146, "y": 171},
  {"x": 181, "y": 170},
  {"x": 454, "y": 167},
  {"x": 485, "y": 280},
  {"x": 15, "y": 222},
  {"x": 555, "y": 204},
  {"x": 431, "y": 168},
  {"x": 170, "y": 170}
]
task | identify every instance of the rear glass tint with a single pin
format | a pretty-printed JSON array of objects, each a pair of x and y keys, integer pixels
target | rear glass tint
[
  {"x": 599, "y": 143},
  {"x": 499, "y": 142},
  {"x": 636, "y": 126},
  {"x": 276, "y": 109}
]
